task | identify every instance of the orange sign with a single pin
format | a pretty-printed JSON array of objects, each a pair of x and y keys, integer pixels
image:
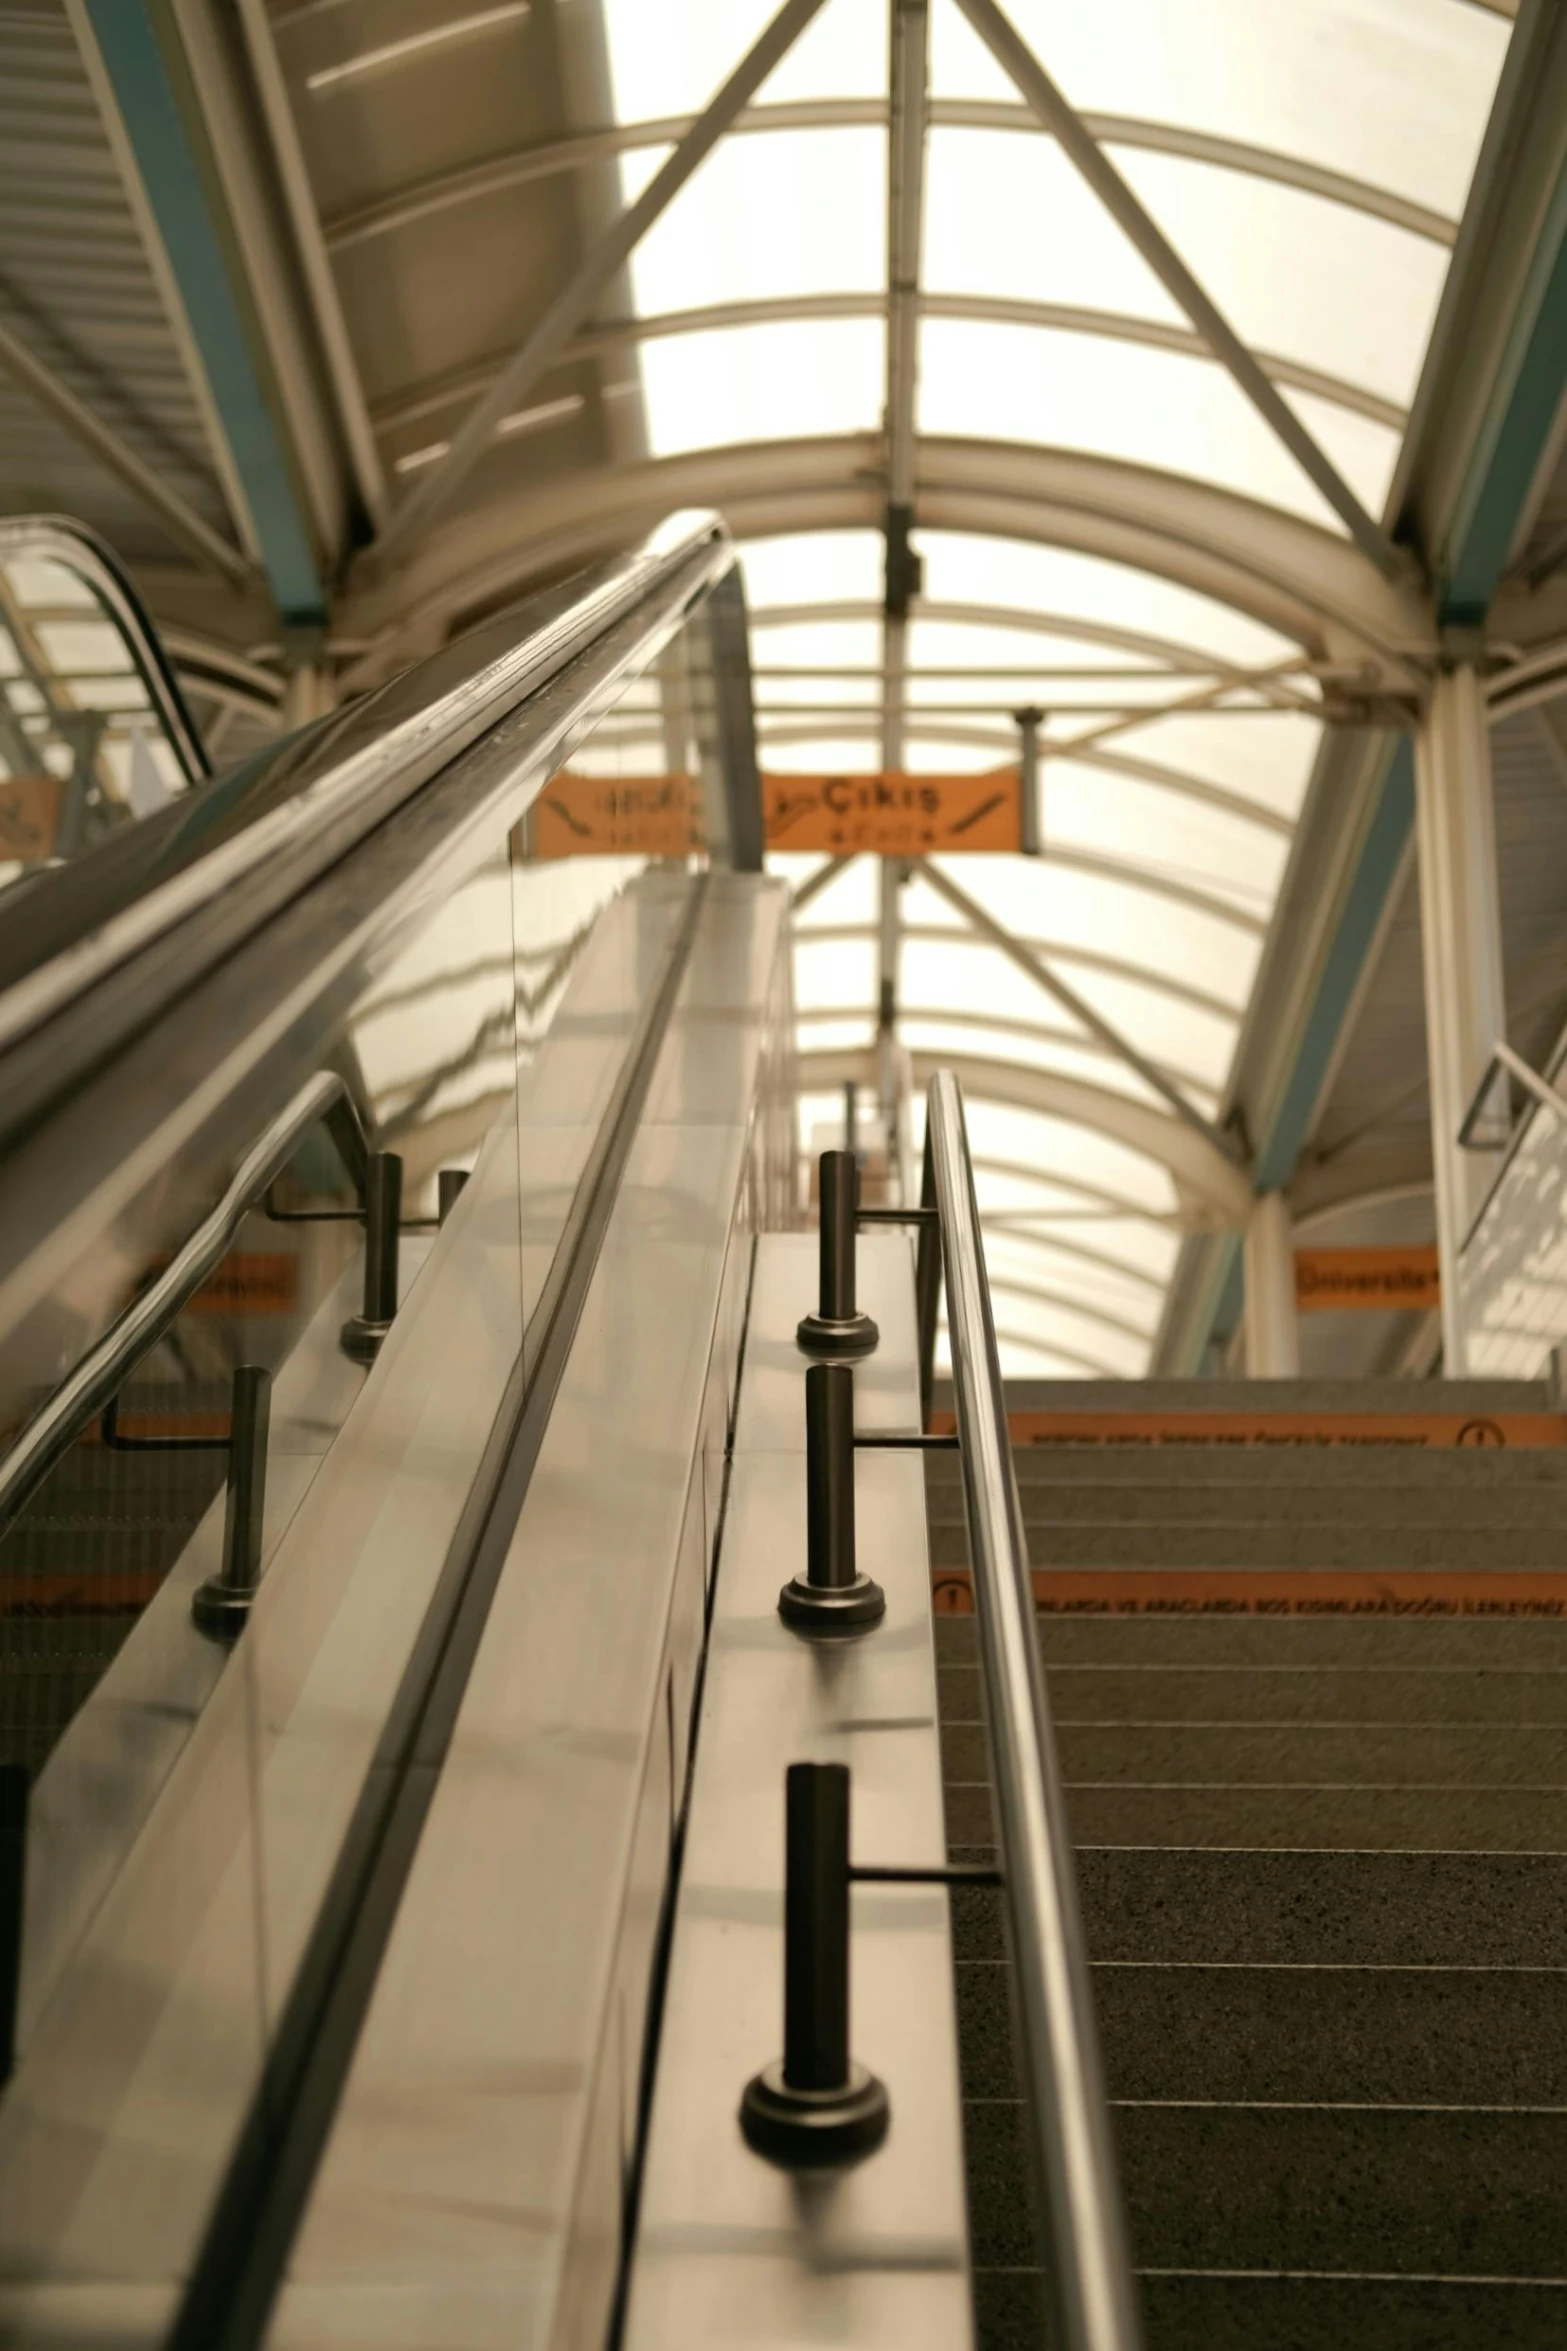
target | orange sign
[
  {"x": 616, "y": 816},
  {"x": 1298, "y": 1430},
  {"x": 29, "y": 815},
  {"x": 1116, "y": 1591},
  {"x": 1385, "y": 1280},
  {"x": 892, "y": 815}
]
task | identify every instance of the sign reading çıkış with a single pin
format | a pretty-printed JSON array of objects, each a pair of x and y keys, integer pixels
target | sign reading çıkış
[
  {"x": 1382, "y": 1280},
  {"x": 884, "y": 815},
  {"x": 892, "y": 815}
]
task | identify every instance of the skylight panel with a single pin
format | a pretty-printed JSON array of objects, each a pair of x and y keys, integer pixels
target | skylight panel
[
  {"x": 1395, "y": 92},
  {"x": 796, "y": 212},
  {"x": 980, "y": 380},
  {"x": 1007, "y": 215},
  {"x": 812, "y": 567},
  {"x": 965, "y": 568},
  {"x": 762, "y": 383}
]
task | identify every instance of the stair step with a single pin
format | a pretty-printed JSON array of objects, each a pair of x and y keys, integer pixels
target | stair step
[
  {"x": 1376, "y": 2189},
  {"x": 1357, "y": 2035},
  {"x": 1327, "y": 2313},
  {"x": 1467, "y": 1643},
  {"x": 1106, "y": 1542},
  {"x": 1486, "y": 1509},
  {"x": 1289, "y": 1818},
  {"x": 1299, "y": 1754},
  {"x": 1306, "y": 1694}
]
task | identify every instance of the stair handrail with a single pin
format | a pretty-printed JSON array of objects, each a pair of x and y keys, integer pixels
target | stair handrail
[{"x": 1068, "y": 2112}]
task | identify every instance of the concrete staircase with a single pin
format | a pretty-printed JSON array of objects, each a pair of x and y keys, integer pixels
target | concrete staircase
[{"x": 1323, "y": 1861}]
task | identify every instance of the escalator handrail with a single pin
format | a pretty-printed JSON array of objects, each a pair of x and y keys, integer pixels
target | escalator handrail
[
  {"x": 317, "y": 794},
  {"x": 57, "y": 539},
  {"x": 1066, "y": 2103},
  {"x": 97, "y": 1378}
]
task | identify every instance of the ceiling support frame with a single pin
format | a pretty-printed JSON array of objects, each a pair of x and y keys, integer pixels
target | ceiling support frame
[
  {"x": 548, "y": 338},
  {"x": 1034, "y": 967},
  {"x": 321, "y": 286},
  {"x": 1012, "y": 52},
  {"x": 909, "y": 87},
  {"x": 188, "y": 529}
]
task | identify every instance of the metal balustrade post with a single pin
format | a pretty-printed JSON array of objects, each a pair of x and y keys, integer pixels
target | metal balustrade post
[
  {"x": 363, "y": 1334},
  {"x": 837, "y": 1328},
  {"x": 832, "y": 1596},
  {"x": 221, "y": 1605},
  {"x": 815, "y": 2105},
  {"x": 449, "y": 1189}
]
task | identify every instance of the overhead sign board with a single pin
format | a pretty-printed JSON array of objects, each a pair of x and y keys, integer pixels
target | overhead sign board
[
  {"x": 882, "y": 815},
  {"x": 1380, "y": 1280},
  {"x": 615, "y": 816},
  {"x": 892, "y": 815},
  {"x": 1261, "y": 1428}
]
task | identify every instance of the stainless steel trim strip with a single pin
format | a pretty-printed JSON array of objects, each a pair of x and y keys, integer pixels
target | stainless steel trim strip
[{"x": 1070, "y": 2117}]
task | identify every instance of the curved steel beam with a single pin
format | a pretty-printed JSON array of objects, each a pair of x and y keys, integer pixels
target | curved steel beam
[
  {"x": 1308, "y": 584},
  {"x": 1200, "y": 1171},
  {"x": 1001, "y": 1227},
  {"x": 444, "y": 190},
  {"x": 1117, "y": 1203},
  {"x": 1159, "y": 983},
  {"x": 1065, "y": 1305},
  {"x": 1170, "y": 650},
  {"x": 1039, "y": 1031},
  {"x": 456, "y": 389},
  {"x": 1094, "y": 1365}
]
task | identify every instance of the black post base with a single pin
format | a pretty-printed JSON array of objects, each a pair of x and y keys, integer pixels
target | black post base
[
  {"x": 814, "y": 2126},
  {"x": 823, "y": 1334},
  {"x": 220, "y": 1610},
  {"x": 362, "y": 1338},
  {"x": 831, "y": 1608}
]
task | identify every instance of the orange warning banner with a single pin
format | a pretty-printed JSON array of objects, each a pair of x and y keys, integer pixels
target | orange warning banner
[
  {"x": 616, "y": 816},
  {"x": 1114, "y": 1591},
  {"x": 1300, "y": 1430},
  {"x": 1384, "y": 1280},
  {"x": 892, "y": 815}
]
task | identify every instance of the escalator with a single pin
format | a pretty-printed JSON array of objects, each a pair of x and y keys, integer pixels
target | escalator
[{"x": 541, "y": 1799}]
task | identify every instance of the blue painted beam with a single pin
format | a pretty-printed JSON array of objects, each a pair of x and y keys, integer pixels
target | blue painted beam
[{"x": 204, "y": 261}]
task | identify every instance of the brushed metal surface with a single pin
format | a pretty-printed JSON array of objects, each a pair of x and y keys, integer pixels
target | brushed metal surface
[
  {"x": 472, "y": 2192},
  {"x": 731, "y": 2249}
]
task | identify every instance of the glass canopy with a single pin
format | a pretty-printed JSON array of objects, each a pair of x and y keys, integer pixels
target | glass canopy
[{"x": 1308, "y": 162}]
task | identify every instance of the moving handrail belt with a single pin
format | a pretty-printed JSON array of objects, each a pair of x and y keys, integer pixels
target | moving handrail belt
[{"x": 1066, "y": 2104}]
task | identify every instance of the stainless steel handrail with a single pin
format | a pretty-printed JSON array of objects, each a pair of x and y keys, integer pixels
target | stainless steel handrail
[
  {"x": 96, "y": 1379},
  {"x": 59, "y": 540},
  {"x": 1090, "y": 2266},
  {"x": 322, "y": 792}
]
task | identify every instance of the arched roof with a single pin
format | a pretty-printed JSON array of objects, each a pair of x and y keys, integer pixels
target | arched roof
[{"x": 1116, "y": 314}]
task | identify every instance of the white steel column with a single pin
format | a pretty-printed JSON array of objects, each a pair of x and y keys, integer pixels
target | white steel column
[
  {"x": 1461, "y": 950},
  {"x": 1272, "y": 1326}
]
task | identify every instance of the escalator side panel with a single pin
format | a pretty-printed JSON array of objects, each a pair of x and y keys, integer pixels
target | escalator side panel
[
  {"x": 120, "y": 2122},
  {"x": 474, "y": 2187}
]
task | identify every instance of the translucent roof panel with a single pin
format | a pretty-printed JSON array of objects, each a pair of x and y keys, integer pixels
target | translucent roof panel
[
  {"x": 1309, "y": 163},
  {"x": 1394, "y": 92},
  {"x": 1138, "y": 405},
  {"x": 762, "y": 383}
]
